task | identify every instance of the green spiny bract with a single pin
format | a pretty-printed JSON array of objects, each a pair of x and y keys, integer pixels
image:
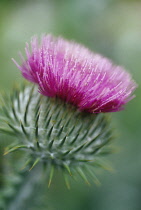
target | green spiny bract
[{"x": 55, "y": 132}]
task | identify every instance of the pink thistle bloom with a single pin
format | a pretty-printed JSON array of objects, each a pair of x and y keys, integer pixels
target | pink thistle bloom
[{"x": 75, "y": 74}]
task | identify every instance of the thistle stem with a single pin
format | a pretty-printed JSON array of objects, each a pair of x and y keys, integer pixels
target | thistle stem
[{"x": 26, "y": 190}]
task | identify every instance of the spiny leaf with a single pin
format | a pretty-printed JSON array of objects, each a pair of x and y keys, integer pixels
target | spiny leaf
[
  {"x": 46, "y": 116},
  {"x": 108, "y": 150},
  {"x": 37, "y": 119},
  {"x": 67, "y": 168},
  {"x": 38, "y": 104},
  {"x": 94, "y": 177},
  {"x": 6, "y": 112},
  {"x": 7, "y": 151},
  {"x": 57, "y": 115},
  {"x": 81, "y": 173},
  {"x": 36, "y": 126},
  {"x": 36, "y": 132},
  {"x": 24, "y": 130},
  {"x": 18, "y": 99},
  {"x": 85, "y": 134},
  {"x": 58, "y": 123},
  {"x": 92, "y": 141},
  {"x": 60, "y": 131},
  {"x": 26, "y": 163},
  {"x": 37, "y": 111},
  {"x": 98, "y": 147},
  {"x": 27, "y": 105},
  {"x": 78, "y": 148},
  {"x": 37, "y": 143},
  {"x": 34, "y": 164},
  {"x": 71, "y": 130},
  {"x": 104, "y": 165},
  {"x": 48, "y": 122},
  {"x": 51, "y": 175},
  {"x": 6, "y": 131},
  {"x": 13, "y": 128},
  {"x": 50, "y": 131},
  {"x": 74, "y": 139},
  {"x": 84, "y": 160},
  {"x": 66, "y": 153},
  {"x": 63, "y": 141},
  {"x": 66, "y": 181},
  {"x": 14, "y": 113},
  {"x": 51, "y": 144}
]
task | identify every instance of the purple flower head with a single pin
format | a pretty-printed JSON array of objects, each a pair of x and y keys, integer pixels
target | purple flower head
[{"x": 73, "y": 73}]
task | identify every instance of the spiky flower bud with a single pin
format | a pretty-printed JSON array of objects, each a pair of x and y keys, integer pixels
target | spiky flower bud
[
  {"x": 63, "y": 127},
  {"x": 55, "y": 133}
]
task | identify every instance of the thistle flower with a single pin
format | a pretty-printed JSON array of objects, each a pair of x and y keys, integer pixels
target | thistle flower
[
  {"x": 73, "y": 73},
  {"x": 47, "y": 127}
]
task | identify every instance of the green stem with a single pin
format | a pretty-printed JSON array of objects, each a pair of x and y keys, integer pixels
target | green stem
[{"x": 26, "y": 191}]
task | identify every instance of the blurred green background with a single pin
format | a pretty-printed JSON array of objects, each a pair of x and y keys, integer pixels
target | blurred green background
[{"x": 112, "y": 28}]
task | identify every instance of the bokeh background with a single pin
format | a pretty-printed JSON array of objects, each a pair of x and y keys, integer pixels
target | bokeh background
[{"x": 112, "y": 28}]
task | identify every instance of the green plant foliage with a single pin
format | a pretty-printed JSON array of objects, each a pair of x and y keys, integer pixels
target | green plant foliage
[{"x": 55, "y": 133}]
